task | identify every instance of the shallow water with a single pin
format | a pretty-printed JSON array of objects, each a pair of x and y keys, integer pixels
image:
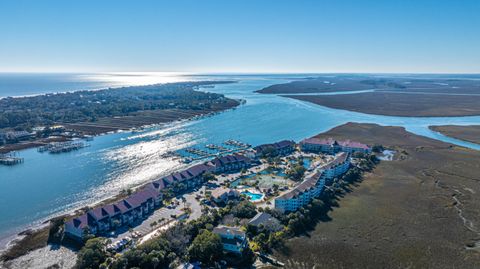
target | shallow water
[{"x": 47, "y": 185}]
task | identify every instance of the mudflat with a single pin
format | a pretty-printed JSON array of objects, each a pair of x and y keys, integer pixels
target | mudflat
[
  {"x": 470, "y": 133},
  {"x": 421, "y": 210},
  {"x": 391, "y": 95},
  {"x": 399, "y": 104}
]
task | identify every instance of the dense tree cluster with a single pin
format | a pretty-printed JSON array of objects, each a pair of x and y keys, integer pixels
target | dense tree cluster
[
  {"x": 206, "y": 247},
  {"x": 296, "y": 172},
  {"x": 23, "y": 113},
  {"x": 244, "y": 210},
  {"x": 93, "y": 254}
]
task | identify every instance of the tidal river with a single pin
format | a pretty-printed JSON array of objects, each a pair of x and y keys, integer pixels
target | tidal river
[{"x": 47, "y": 185}]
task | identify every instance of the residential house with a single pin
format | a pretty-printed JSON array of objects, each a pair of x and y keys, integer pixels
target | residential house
[
  {"x": 234, "y": 240},
  {"x": 223, "y": 194},
  {"x": 101, "y": 218},
  {"x": 78, "y": 226},
  {"x": 265, "y": 221}
]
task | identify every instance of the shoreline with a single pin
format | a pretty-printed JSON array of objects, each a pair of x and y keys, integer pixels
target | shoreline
[
  {"x": 5, "y": 149},
  {"x": 13, "y": 240}
]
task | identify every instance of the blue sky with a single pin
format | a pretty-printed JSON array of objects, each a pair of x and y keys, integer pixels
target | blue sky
[{"x": 240, "y": 36}]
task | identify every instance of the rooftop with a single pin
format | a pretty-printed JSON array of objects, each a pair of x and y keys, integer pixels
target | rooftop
[
  {"x": 262, "y": 218},
  {"x": 224, "y": 230}
]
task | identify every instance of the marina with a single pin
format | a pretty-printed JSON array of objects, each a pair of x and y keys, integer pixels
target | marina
[{"x": 191, "y": 154}]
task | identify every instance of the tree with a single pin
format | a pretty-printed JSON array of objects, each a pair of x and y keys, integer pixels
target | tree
[
  {"x": 93, "y": 254},
  {"x": 244, "y": 209},
  {"x": 296, "y": 172},
  {"x": 208, "y": 177},
  {"x": 206, "y": 248},
  {"x": 275, "y": 187}
]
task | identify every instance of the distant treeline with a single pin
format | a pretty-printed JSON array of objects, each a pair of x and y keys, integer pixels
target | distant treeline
[{"x": 23, "y": 113}]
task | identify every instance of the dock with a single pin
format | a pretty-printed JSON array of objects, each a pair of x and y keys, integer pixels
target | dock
[
  {"x": 59, "y": 147},
  {"x": 236, "y": 143},
  {"x": 10, "y": 159},
  {"x": 215, "y": 150}
]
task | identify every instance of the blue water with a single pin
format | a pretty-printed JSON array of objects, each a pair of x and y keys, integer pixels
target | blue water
[
  {"x": 47, "y": 185},
  {"x": 253, "y": 196}
]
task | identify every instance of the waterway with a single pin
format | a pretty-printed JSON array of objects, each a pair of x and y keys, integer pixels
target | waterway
[{"x": 47, "y": 185}]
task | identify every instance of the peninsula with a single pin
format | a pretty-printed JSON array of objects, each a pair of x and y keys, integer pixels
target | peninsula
[
  {"x": 32, "y": 121},
  {"x": 414, "y": 96}
]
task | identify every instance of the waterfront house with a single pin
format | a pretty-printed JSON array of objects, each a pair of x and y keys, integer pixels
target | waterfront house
[
  {"x": 223, "y": 194},
  {"x": 142, "y": 202},
  {"x": 301, "y": 194},
  {"x": 77, "y": 227},
  {"x": 264, "y": 221},
  {"x": 283, "y": 147},
  {"x": 332, "y": 146},
  {"x": 126, "y": 211},
  {"x": 101, "y": 219},
  {"x": 115, "y": 216},
  {"x": 191, "y": 177},
  {"x": 234, "y": 240},
  {"x": 197, "y": 172},
  {"x": 229, "y": 163}
]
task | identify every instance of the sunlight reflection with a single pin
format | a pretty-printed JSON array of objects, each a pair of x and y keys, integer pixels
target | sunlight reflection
[{"x": 121, "y": 79}]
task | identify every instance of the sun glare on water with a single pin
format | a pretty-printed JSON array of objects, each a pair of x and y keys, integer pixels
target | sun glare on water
[{"x": 120, "y": 79}]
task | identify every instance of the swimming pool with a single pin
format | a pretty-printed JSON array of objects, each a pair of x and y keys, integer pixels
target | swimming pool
[{"x": 253, "y": 196}]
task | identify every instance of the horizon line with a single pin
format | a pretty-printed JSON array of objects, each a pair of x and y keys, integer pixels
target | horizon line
[{"x": 237, "y": 73}]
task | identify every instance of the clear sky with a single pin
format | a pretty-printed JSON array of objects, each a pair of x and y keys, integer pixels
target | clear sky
[{"x": 240, "y": 36}]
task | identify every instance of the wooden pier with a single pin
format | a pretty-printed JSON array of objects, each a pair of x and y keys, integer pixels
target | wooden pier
[
  {"x": 59, "y": 147},
  {"x": 10, "y": 159},
  {"x": 201, "y": 154}
]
